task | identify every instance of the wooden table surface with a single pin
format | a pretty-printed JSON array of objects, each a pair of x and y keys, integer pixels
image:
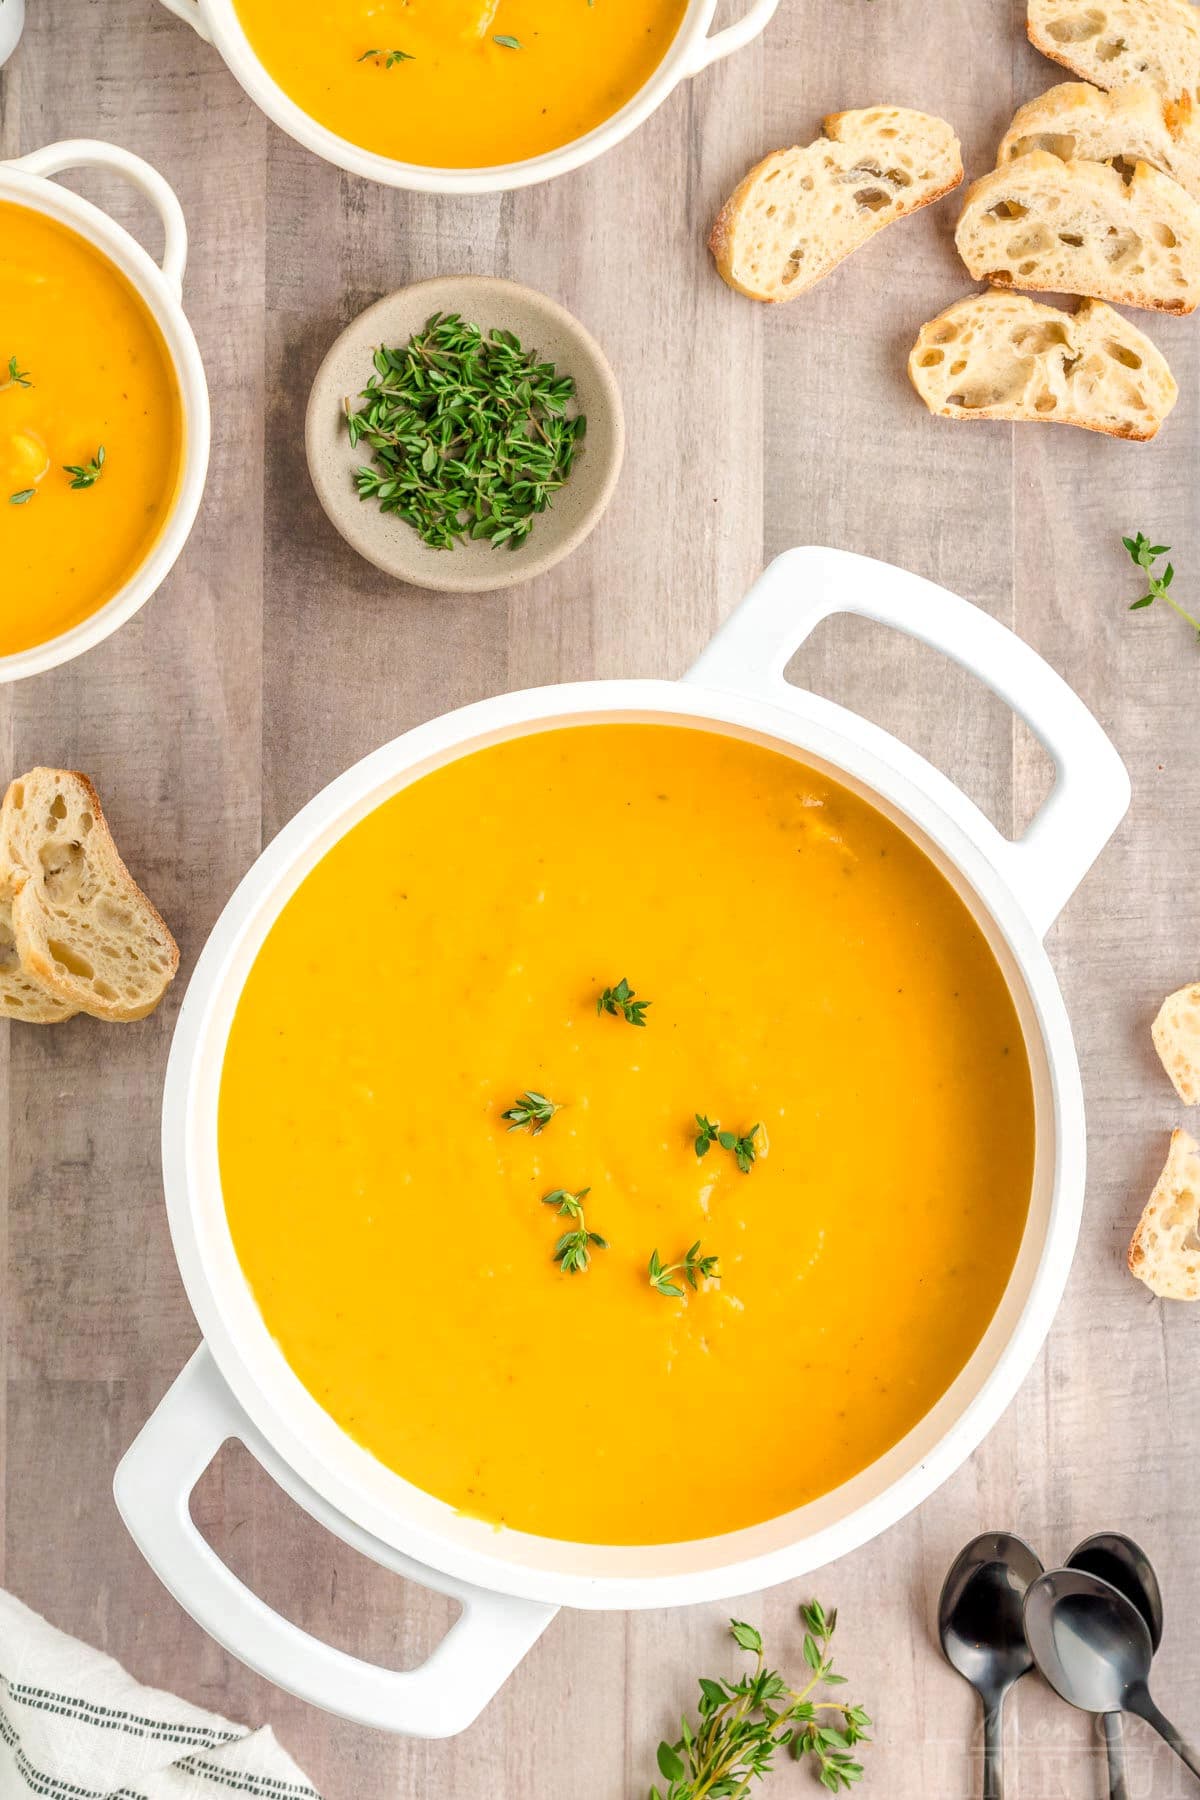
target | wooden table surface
[{"x": 273, "y": 657}]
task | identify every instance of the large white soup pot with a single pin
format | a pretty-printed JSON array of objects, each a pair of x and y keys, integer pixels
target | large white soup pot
[
  {"x": 238, "y": 1384},
  {"x": 26, "y": 182},
  {"x": 691, "y": 50}
]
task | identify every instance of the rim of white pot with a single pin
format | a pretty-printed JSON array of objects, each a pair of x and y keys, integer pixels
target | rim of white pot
[
  {"x": 42, "y": 193},
  {"x": 396, "y": 1513},
  {"x": 225, "y": 28}
]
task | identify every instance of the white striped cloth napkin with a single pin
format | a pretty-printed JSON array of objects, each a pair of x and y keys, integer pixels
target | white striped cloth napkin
[{"x": 75, "y": 1726}]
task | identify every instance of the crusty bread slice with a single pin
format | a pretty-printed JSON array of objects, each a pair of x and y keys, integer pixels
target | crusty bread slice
[
  {"x": 800, "y": 211},
  {"x": 1114, "y": 42},
  {"x": 21, "y": 997},
  {"x": 1003, "y": 356},
  {"x": 1076, "y": 121},
  {"x": 1176, "y": 1034},
  {"x": 83, "y": 929},
  {"x": 1165, "y": 1251},
  {"x": 1078, "y": 228}
]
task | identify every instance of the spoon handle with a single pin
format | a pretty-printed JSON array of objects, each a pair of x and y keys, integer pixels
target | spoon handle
[
  {"x": 1115, "y": 1746},
  {"x": 993, "y": 1751},
  {"x": 1144, "y": 1706}
]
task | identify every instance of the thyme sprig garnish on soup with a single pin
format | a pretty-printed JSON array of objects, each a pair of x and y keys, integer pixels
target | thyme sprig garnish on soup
[
  {"x": 692, "y": 1265},
  {"x": 86, "y": 475},
  {"x": 741, "y": 1724},
  {"x": 387, "y": 59},
  {"x": 530, "y": 1109},
  {"x": 471, "y": 436},
  {"x": 620, "y": 1002},
  {"x": 744, "y": 1146},
  {"x": 572, "y": 1251},
  {"x": 17, "y": 377}
]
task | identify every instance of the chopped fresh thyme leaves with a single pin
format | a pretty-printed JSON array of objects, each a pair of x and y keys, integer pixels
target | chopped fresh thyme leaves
[
  {"x": 691, "y": 1266},
  {"x": 469, "y": 434},
  {"x": 23, "y": 498},
  {"x": 619, "y": 1001},
  {"x": 17, "y": 377},
  {"x": 530, "y": 1109},
  {"x": 509, "y": 43},
  {"x": 571, "y": 1250}
]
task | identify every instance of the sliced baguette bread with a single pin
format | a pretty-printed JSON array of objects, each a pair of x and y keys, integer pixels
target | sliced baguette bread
[
  {"x": 21, "y": 997},
  {"x": 1078, "y": 228},
  {"x": 1165, "y": 1252},
  {"x": 82, "y": 928},
  {"x": 1003, "y": 356},
  {"x": 1176, "y": 1033},
  {"x": 1076, "y": 121},
  {"x": 1114, "y": 42},
  {"x": 800, "y": 211}
]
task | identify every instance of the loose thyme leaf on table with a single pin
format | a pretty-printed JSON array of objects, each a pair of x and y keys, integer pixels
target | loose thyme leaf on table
[
  {"x": 530, "y": 1109},
  {"x": 1145, "y": 554},
  {"x": 571, "y": 1250},
  {"x": 469, "y": 434},
  {"x": 741, "y": 1724}
]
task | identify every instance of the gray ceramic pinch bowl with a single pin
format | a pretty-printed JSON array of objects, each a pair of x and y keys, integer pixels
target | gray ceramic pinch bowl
[{"x": 384, "y": 538}]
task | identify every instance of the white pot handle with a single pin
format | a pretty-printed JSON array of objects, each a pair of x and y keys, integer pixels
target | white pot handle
[
  {"x": 724, "y": 43},
  {"x": 153, "y": 1485},
  {"x": 189, "y": 10},
  {"x": 89, "y": 153},
  {"x": 1091, "y": 789}
]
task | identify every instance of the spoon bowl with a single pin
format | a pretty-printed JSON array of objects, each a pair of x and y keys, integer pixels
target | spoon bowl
[
  {"x": 1094, "y": 1648},
  {"x": 1116, "y": 1559},
  {"x": 982, "y": 1631}
]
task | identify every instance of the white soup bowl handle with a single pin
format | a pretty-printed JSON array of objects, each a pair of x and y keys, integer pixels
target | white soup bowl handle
[
  {"x": 88, "y": 153},
  {"x": 721, "y": 43},
  {"x": 153, "y": 1486},
  {"x": 1091, "y": 787}
]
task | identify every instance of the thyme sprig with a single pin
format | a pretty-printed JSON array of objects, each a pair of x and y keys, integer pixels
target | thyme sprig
[
  {"x": 87, "y": 474},
  {"x": 17, "y": 377},
  {"x": 530, "y": 1109},
  {"x": 571, "y": 1252},
  {"x": 1145, "y": 554},
  {"x": 691, "y": 1266},
  {"x": 387, "y": 59},
  {"x": 744, "y": 1148},
  {"x": 741, "y": 1724},
  {"x": 469, "y": 433},
  {"x": 619, "y": 1001}
]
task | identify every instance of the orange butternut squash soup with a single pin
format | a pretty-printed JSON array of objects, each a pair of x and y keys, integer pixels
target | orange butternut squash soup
[
  {"x": 459, "y": 1117},
  {"x": 91, "y": 429},
  {"x": 460, "y": 84}
]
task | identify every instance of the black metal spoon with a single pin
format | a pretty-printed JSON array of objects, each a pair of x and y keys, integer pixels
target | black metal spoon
[
  {"x": 1094, "y": 1648},
  {"x": 982, "y": 1632},
  {"x": 1116, "y": 1559}
]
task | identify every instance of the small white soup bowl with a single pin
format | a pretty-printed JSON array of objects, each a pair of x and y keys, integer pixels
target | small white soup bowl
[
  {"x": 691, "y": 50},
  {"x": 26, "y": 182}
]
